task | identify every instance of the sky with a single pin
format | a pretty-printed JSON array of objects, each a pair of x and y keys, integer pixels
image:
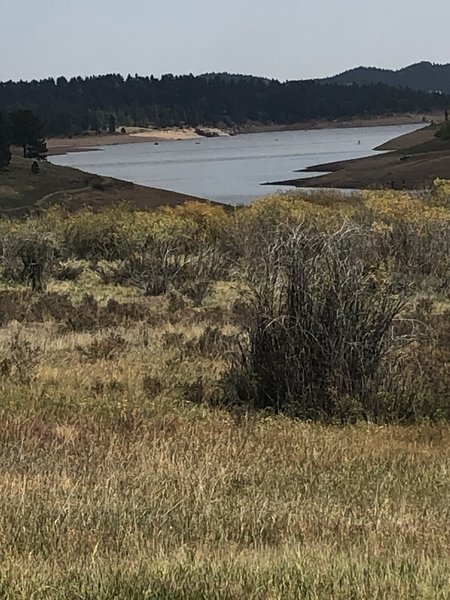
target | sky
[{"x": 284, "y": 39}]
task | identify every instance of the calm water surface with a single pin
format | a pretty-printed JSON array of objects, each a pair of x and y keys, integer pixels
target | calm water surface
[{"x": 230, "y": 169}]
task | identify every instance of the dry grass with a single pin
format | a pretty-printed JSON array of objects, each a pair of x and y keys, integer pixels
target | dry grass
[
  {"x": 110, "y": 488},
  {"x": 186, "y": 503},
  {"x": 121, "y": 477}
]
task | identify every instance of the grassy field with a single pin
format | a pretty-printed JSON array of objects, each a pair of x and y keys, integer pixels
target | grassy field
[
  {"x": 147, "y": 498},
  {"x": 124, "y": 471}
]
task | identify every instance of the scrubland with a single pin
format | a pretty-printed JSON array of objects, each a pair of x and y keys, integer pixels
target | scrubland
[{"x": 201, "y": 403}]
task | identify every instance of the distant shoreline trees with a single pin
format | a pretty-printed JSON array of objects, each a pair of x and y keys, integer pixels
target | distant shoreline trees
[
  {"x": 112, "y": 124},
  {"x": 5, "y": 152},
  {"x": 104, "y": 103},
  {"x": 24, "y": 129},
  {"x": 26, "y": 132}
]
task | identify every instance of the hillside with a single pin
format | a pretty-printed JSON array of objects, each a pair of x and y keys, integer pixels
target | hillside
[
  {"x": 72, "y": 107},
  {"x": 425, "y": 76},
  {"x": 21, "y": 191}
]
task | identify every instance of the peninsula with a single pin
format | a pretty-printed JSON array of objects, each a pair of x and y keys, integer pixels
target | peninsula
[{"x": 411, "y": 161}]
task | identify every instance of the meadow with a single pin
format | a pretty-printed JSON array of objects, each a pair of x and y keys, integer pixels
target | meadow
[{"x": 208, "y": 403}]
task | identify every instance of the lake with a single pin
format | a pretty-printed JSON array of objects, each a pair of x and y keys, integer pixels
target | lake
[{"x": 230, "y": 169}]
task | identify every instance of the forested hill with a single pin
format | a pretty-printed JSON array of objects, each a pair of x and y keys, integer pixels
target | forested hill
[
  {"x": 69, "y": 107},
  {"x": 424, "y": 76},
  {"x": 236, "y": 77}
]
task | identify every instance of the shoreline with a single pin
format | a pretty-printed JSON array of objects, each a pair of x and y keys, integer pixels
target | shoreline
[
  {"x": 93, "y": 142},
  {"x": 22, "y": 192},
  {"x": 410, "y": 161},
  {"x": 383, "y": 121}
]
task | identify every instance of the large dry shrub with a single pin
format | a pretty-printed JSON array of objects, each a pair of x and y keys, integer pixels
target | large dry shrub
[
  {"x": 28, "y": 256},
  {"x": 320, "y": 327},
  {"x": 417, "y": 382}
]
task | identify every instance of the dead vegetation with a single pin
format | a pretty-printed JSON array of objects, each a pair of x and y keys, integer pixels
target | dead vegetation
[{"x": 283, "y": 429}]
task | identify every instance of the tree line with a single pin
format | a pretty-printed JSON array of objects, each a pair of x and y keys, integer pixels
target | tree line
[
  {"x": 21, "y": 128},
  {"x": 71, "y": 107}
]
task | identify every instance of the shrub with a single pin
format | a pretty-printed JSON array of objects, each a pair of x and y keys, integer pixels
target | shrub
[
  {"x": 418, "y": 380},
  {"x": 209, "y": 265},
  {"x": 105, "y": 348},
  {"x": 109, "y": 235},
  {"x": 444, "y": 131},
  {"x": 152, "y": 269},
  {"x": 164, "y": 264},
  {"x": 28, "y": 256},
  {"x": 20, "y": 360},
  {"x": 320, "y": 327}
]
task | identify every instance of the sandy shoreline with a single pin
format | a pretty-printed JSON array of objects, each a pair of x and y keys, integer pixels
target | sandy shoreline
[
  {"x": 135, "y": 135},
  {"x": 94, "y": 141}
]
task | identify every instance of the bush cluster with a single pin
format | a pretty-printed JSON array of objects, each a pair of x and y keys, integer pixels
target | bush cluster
[{"x": 342, "y": 300}]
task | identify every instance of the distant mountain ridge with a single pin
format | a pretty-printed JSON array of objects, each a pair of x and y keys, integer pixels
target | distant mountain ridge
[{"x": 424, "y": 76}]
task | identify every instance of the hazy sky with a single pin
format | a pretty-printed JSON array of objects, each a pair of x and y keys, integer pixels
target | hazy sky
[{"x": 286, "y": 39}]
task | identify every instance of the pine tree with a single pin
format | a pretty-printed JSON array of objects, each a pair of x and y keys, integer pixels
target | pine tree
[
  {"x": 26, "y": 129},
  {"x": 5, "y": 153},
  {"x": 112, "y": 124},
  {"x": 38, "y": 149}
]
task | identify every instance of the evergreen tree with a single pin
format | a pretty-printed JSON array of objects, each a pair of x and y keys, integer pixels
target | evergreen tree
[
  {"x": 112, "y": 124},
  {"x": 37, "y": 149},
  {"x": 5, "y": 153},
  {"x": 26, "y": 129}
]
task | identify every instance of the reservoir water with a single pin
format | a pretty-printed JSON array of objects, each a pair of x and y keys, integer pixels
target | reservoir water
[{"x": 230, "y": 169}]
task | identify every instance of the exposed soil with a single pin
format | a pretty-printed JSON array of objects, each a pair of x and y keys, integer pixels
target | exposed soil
[
  {"x": 416, "y": 159},
  {"x": 380, "y": 121},
  {"x": 21, "y": 191}
]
